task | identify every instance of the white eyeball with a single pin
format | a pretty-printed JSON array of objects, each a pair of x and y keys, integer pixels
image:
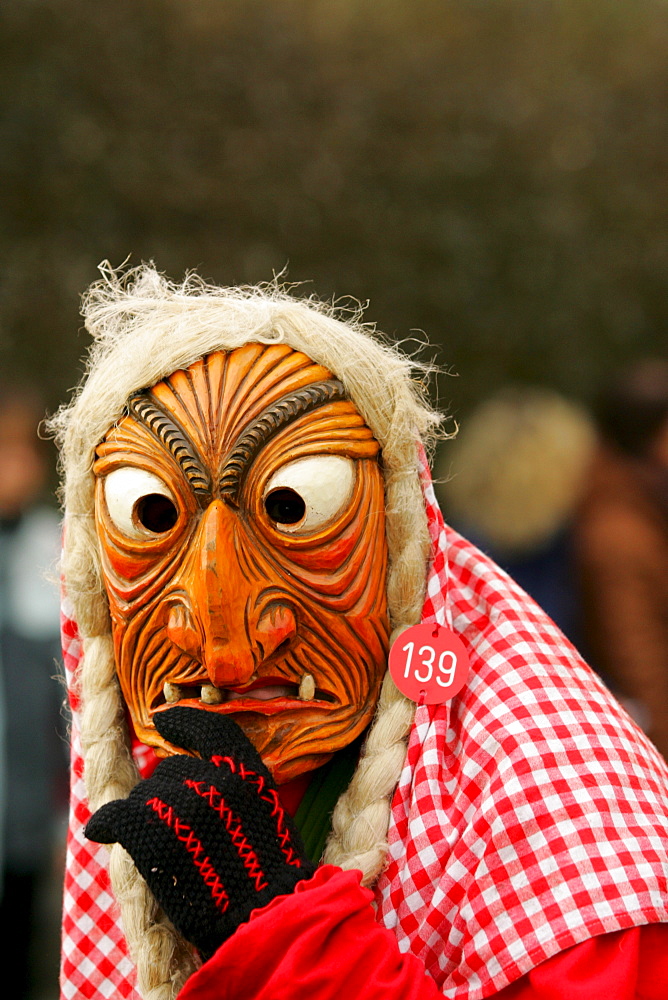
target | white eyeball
[
  {"x": 139, "y": 503},
  {"x": 309, "y": 493}
]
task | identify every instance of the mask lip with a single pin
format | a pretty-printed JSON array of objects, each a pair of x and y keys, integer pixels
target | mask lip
[{"x": 245, "y": 702}]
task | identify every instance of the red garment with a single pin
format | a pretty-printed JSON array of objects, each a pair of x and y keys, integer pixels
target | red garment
[
  {"x": 323, "y": 942},
  {"x": 624, "y": 965}
]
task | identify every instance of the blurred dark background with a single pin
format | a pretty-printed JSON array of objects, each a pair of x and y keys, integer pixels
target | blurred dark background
[{"x": 491, "y": 173}]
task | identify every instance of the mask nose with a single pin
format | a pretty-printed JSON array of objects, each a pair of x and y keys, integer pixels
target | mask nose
[{"x": 219, "y": 624}]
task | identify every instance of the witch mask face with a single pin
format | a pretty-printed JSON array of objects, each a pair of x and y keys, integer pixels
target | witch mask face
[{"x": 240, "y": 511}]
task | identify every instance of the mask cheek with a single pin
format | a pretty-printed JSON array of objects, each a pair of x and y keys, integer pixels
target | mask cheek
[{"x": 145, "y": 659}]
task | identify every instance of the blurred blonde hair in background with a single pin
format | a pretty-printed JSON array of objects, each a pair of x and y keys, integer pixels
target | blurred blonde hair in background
[{"x": 517, "y": 468}]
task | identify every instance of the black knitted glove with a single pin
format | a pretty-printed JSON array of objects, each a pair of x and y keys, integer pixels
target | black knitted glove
[{"x": 209, "y": 835}]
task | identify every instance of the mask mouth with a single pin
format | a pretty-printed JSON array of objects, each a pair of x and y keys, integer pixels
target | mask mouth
[{"x": 266, "y": 695}]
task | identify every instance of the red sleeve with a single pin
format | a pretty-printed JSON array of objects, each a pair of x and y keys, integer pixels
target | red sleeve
[
  {"x": 320, "y": 942},
  {"x": 623, "y": 965},
  {"x": 323, "y": 941}
]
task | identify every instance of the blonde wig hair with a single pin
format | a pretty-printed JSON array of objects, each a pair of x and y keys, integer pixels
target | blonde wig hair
[{"x": 144, "y": 328}]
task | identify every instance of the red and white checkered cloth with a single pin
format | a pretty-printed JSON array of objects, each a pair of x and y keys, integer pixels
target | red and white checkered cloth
[
  {"x": 531, "y": 813},
  {"x": 94, "y": 960}
]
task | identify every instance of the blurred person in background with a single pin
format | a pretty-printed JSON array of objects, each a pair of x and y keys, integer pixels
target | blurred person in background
[
  {"x": 33, "y": 763},
  {"x": 622, "y": 545},
  {"x": 513, "y": 478}
]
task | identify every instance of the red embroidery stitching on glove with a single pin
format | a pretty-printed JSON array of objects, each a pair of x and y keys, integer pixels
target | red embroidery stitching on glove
[
  {"x": 194, "y": 847},
  {"x": 233, "y": 826},
  {"x": 272, "y": 799}
]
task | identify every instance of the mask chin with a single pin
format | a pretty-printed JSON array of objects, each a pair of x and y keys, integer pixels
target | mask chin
[{"x": 285, "y": 771}]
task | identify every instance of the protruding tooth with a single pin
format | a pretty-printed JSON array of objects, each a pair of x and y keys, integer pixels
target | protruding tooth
[
  {"x": 172, "y": 693},
  {"x": 307, "y": 688},
  {"x": 211, "y": 695}
]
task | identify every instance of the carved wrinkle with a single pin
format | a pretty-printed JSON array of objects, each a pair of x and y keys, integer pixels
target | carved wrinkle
[
  {"x": 270, "y": 421},
  {"x": 165, "y": 428}
]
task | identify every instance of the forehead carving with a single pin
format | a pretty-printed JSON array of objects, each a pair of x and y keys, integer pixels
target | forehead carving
[
  {"x": 255, "y": 584},
  {"x": 214, "y": 417},
  {"x": 284, "y": 411}
]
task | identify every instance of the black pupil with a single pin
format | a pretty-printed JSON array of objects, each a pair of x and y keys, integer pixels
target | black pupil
[
  {"x": 284, "y": 506},
  {"x": 156, "y": 513}
]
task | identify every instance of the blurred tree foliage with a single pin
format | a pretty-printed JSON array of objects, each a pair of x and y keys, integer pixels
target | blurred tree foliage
[{"x": 492, "y": 173}]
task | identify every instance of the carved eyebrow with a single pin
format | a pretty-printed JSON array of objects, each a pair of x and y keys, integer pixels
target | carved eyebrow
[
  {"x": 145, "y": 408},
  {"x": 267, "y": 424}
]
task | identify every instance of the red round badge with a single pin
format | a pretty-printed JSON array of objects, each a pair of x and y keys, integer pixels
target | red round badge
[{"x": 429, "y": 663}]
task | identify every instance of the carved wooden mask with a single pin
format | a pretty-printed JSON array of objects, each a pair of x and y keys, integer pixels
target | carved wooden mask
[{"x": 240, "y": 511}]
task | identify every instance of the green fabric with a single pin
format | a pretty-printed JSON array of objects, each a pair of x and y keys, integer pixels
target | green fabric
[{"x": 314, "y": 815}]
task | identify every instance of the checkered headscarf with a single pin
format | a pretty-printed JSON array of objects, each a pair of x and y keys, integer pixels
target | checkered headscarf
[{"x": 531, "y": 813}]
